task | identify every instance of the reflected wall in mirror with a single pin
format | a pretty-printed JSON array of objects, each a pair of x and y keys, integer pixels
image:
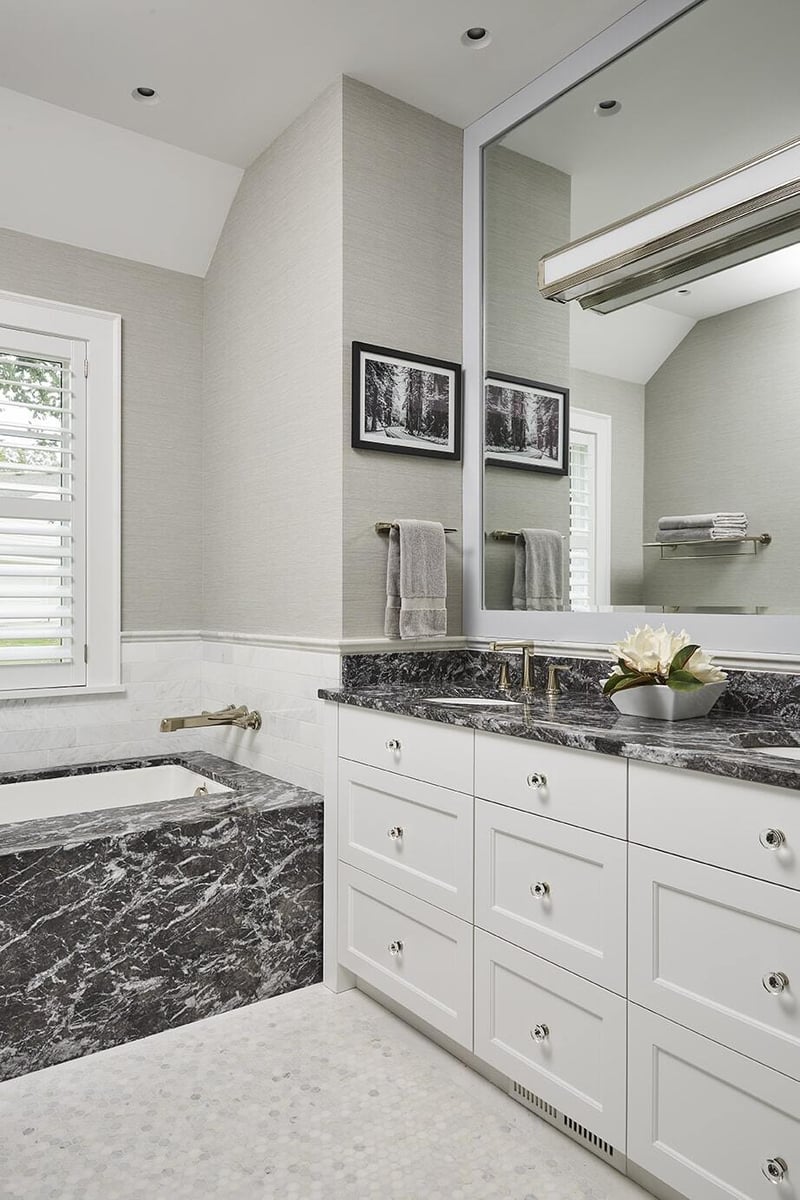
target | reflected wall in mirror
[{"x": 687, "y": 403}]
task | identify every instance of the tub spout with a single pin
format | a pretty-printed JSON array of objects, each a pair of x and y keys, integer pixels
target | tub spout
[{"x": 238, "y": 715}]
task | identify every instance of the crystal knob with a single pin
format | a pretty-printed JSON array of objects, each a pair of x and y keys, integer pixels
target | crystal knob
[
  {"x": 540, "y": 1033},
  {"x": 774, "y": 1169},
  {"x": 775, "y": 982},
  {"x": 540, "y": 890},
  {"x": 772, "y": 839},
  {"x": 537, "y": 780},
  {"x": 396, "y": 833},
  {"x": 396, "y": 948},
  {"x": 393, "y": 744}
]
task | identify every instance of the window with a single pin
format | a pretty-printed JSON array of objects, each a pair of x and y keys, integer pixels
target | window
[
  {"x": 589, "y": 510},
  {"x": 59, "y": 497}
]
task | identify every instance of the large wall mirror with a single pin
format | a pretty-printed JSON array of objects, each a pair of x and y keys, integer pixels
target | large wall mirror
[{"x": 602, "y": 431}]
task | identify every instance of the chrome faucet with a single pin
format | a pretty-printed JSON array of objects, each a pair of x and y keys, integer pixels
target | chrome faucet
[
  {"x": 528, "y": 650},
  {"x": 238, "y": 715}
]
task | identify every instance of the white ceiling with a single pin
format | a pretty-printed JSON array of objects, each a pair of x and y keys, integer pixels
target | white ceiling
[
  {"x": 714, "y": 89},
  {"x": 232, "y": 74}
]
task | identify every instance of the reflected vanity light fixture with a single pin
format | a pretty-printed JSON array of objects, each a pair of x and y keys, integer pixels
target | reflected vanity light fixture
[{"x": 732, "y": 218}]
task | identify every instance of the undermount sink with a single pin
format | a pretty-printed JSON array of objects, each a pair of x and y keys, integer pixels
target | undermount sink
[
  {"x": 471, "y": 702},
  {"x": 779, "y": 751}
]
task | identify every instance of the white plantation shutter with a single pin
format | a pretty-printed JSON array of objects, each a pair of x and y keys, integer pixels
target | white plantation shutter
[
  {"x": 42, "y": 510},
  {"x": 581, "y": 522}
]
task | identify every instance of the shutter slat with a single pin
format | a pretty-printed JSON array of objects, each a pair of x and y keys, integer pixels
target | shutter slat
[
  {"x": 23, "y": 550},
  {"x": 37, "y": 654},
  {"x": 22, "y": 633},
  {"x": 34, "y": 570}
]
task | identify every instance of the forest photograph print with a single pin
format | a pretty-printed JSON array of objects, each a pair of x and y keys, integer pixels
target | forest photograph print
[
  {"x": 527, "y": 424},
  {"x": 405, "y": 404}
]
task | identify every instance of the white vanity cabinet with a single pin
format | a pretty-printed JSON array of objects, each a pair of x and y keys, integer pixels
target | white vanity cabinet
[{"x": 621, "y": 941}]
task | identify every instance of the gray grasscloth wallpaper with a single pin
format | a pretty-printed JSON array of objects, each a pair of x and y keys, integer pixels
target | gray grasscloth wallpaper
[
  {"x": 722, "y": 433},
  {"x": 162, "y": 357},
  {"x": 527, "y": 214},
  {"x": 402, "y": 289},
  {"x": 272, "y": 463}
]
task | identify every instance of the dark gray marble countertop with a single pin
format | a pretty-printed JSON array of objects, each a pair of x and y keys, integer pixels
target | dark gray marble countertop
[
  {"x": 250, "y": 791},
  {"x": 723, "y": 743}
]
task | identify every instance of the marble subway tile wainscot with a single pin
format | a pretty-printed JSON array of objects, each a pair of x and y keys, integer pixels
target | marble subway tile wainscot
[{"x": 125, "y": 922}]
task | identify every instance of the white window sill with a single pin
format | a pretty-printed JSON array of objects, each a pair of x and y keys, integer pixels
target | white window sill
[{"x": 74, "y": 693}]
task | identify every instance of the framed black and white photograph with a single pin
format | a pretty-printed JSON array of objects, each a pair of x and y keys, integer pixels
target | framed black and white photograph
[
  {"x": 526, "y": 424},
  {"x": 405, "y": 404}
]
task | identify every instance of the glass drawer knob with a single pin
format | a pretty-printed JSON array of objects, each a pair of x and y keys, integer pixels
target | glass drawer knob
[
  {"x": 396, "y": 833},
  {"x": 775, "y": 982},
  {"x": 537, "y": 780},
  {"x": 540, "y": 1033},
  {"x": 393, "y": 744},
  {"x": 774, "y": 1169},
  {"x": 540, "y": 890},
  {"x": 396, "y": 948},
  {"x": 772, "y": 839}
]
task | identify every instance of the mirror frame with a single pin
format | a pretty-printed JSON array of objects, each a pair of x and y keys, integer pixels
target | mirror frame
[{"x": 759, "y": 642}]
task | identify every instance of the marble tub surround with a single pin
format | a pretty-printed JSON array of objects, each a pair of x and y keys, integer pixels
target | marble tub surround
[
  {"x": 122, "y": 923},
  {"x": 723, "y": 743}
]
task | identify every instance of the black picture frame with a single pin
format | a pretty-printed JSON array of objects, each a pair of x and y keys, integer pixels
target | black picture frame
[
  {"x": 520, "y": 431},
  {"x": 384, "y": 384}
]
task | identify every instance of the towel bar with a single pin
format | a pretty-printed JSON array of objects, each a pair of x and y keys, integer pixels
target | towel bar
[
  {"x": 507, "y": 535},
  {"x": 385, "y": 526},
  {"x": 754, "y": 540}
]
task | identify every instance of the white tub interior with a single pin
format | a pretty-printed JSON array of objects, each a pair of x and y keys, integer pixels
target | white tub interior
[{"x": 65, "y": 794}]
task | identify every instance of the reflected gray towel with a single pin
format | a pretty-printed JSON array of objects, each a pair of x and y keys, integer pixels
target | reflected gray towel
[
  {"x": 416, "y": 581},
  {"x": 722, "y": 520},
  {"x": 699, "y": 533},
  {"x": 538, "y": 571}
]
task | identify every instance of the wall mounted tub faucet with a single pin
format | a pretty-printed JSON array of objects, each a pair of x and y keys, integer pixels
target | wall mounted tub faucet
[{"x": 238, "y": 715}]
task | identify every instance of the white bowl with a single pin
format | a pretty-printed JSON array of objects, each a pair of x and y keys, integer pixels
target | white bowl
[{"x": 663, "y": 703}]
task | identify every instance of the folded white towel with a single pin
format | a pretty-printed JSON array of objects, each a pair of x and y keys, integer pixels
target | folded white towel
[
  {"x": 416, "y": 580},
  {"x": 720, "y": 520},
  {"x": 538, "y": 571}
]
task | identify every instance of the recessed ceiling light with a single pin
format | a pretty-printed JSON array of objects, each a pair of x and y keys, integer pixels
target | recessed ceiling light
[
  {"x": 476, "y": 37},
  {"x": 607, "y": 108},
  {"x": 145, "y": 95}
]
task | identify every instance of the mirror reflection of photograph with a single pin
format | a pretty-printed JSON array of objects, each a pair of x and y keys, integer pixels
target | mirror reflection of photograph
[
  {"x": 526, "y": 424},
  {"x": 405, "y": 404}
]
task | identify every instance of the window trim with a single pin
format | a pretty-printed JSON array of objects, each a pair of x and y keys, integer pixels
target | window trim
[
  {"x": 598, "y": 425},
  {"x": 102, "y": 333}
]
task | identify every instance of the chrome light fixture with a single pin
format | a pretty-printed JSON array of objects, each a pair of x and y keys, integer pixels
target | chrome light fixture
[{"x": 740, "y": 215}]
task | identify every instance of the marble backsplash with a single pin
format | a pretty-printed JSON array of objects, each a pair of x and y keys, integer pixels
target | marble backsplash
[
  {"x": 748, "y": 692},
  {"x": 120, "y": 924}
]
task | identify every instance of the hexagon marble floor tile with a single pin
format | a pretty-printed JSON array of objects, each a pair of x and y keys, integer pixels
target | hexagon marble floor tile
[{"x": 309, "y": 1095}]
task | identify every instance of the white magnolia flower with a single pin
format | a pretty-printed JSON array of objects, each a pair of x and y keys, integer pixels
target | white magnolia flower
[
  {"x": 701, "y": 666},
  {"x": 651, "y": 651}
]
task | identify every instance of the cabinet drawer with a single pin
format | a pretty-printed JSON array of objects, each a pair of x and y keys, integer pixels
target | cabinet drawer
[
  {"x": 414, "y": 953},
  {"x": 575, "y": 786},
  {"x": 414, "y": 835},
  {"x": 708, "y": 1121},
  {"x": 424, "y": 750},
  {"x": 717, "y": 821},
  {"x": 558, "y": 1035},
  {"x": 704, "y": 947},
  {"x": 553, "y": 889}
]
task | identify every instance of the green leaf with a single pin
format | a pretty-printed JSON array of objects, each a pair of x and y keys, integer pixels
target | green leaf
[
  {"x": 620, "y": 683},
  {"x": 682, "y": 657},
  {"x": 683, "y": 681},
  {"x": 626, "y": 668}
]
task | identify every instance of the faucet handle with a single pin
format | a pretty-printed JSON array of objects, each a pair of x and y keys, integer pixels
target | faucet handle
[{"x": 553, "y": 689}]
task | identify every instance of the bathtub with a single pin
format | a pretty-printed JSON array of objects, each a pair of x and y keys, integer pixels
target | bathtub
[
  {"x": 84, "y": 793},
  {"x": 130, "y": 904}
]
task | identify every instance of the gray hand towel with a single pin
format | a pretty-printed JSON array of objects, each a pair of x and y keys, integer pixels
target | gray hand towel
[
  {"x": 699, "y": 533},
  {"x": 538, "y": 571},
  {"x": 416, "y": 581},
  {"x": 721, "y": 520}
]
